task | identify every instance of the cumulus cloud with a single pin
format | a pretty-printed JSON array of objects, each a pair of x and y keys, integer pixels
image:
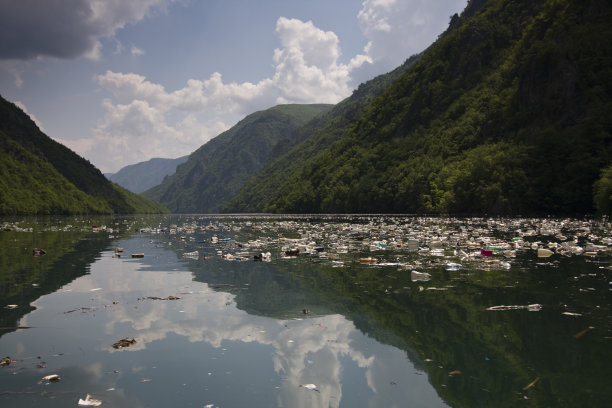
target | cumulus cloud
[
  {"x": 137, "y": 52},
  {"x": 307, "y": 68},
  {"x": 144, "y": 120},
  {"x": 137, "y": 131},
  {"x": 397, "y": 29},
  {"x": 65, "y": 29}
]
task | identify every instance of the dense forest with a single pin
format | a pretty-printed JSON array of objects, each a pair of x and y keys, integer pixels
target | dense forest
[
  {"x": 506, "y": 113},
  {"x": 40, "y": 176}
]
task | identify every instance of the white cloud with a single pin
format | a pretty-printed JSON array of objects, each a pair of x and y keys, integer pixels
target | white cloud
[
  {"x": 319, "y": 48},
  {"x": 397, "y": 29},
  {"x": 145, "y": 120},
  {"x": 307, "y": 68},
  {"x": 138, "y": 131},
  {"x": 128, "y": 87},
  {"x": 137, "y": 52}
]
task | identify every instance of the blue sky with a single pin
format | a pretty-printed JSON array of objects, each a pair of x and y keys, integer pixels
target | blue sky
[{"x": 120, "y": 82}]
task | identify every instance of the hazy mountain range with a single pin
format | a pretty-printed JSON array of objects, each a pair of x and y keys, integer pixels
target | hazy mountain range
[{"x": 144, "y": 175}]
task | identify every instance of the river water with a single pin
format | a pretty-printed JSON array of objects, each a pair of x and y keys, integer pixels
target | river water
[{"x": 371, "y": 312}]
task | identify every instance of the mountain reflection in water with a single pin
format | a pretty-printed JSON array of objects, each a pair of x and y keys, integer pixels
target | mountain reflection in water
[{"x": 484, "y": 320}]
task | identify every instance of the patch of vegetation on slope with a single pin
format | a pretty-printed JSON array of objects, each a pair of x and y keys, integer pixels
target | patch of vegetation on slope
[{"x": 41, "y": 176}]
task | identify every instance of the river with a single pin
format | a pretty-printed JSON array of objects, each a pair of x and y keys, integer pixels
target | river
[{"x": 305, "y": 311}]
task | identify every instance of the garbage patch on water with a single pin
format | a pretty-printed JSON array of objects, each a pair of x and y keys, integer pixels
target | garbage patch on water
[{"x": 453, "y": 244}]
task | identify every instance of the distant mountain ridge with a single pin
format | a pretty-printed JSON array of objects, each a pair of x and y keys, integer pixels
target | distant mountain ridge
[
  {"x": 144, "y": 175},
  {"x": 215, "y": 172},
  {"x": 41, "y": 176}
]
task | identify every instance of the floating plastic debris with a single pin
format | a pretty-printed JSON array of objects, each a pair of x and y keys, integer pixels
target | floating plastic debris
[
  {"x": 89, "y": 402},
  {"x": 123, "y": 343},
  {"x": 536, "y": 307},
  {"x": 192, "y": 255},
  {"x": 451, "y": 266},
  {"x": 160, "y": 298},
  {"x": 437, "y": 252},
  {"x": 51, "y": 378},
  {"x": 292, "y": 252},
  {"x": 419, "y": 276},
  {"x": 263, "y": 256},
  {"x": 413, "y": 245},
  {"x": 531, "y": 384},
  {"x": 544, "y": 253},
  {"x": 581, "y": 333}
]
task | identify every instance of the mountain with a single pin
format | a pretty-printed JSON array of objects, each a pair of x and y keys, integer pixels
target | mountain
[
  {"x": 144, "y": 175},
  {"x": 217, "y": 170},
  {"x": 41, "y": 176},
  {"x": 506, "y": 113},
  {"x": 316, "y": 136}
]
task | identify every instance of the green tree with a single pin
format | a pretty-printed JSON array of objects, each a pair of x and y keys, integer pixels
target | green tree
[{"x": 603, "y": 192}]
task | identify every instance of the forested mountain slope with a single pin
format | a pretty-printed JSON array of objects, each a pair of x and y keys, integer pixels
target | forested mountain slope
[
  {"x": 507, "y": 113},
  {"x": 40, "y": 176},
  {"x": 217, "y": 170},
  {"x": 317, "y": 136}
]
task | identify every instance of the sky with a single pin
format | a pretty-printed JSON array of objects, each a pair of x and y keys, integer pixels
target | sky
[{"x": 120, "y": 82}]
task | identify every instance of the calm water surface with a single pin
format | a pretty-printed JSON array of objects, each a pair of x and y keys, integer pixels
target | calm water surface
[{"x": 346, "y": 315}]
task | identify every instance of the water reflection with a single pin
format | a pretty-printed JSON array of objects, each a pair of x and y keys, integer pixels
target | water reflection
[
  {"x": 24, "y": 277},
  {"x": 200, "y": 342},
  {"x": 216, "y": 330}
]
